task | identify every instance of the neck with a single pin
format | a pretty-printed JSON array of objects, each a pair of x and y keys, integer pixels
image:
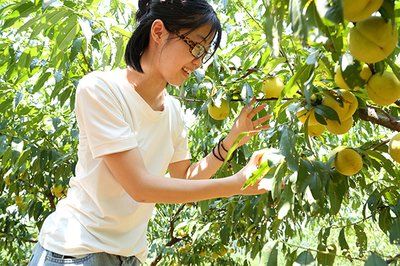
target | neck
[{"x": 149, "y": 86}]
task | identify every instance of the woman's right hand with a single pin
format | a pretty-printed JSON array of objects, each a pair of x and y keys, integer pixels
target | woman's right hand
[{"x": 245, "y": 173}]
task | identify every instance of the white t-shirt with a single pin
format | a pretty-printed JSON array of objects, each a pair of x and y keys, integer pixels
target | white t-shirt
[{"x": 97, "y": 214}]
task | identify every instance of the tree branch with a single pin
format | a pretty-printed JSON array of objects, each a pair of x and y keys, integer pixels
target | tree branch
[
  {"x": 347, "y": 225},
  {"x": 379, "y": 117},
  {"x": 322, "y": 252},
  {"x": 174, "y": 239},
  {"x": 395, "y": 258}
]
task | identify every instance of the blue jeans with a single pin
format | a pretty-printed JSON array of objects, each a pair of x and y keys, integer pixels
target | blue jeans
[{"x": 43, "y": 257}]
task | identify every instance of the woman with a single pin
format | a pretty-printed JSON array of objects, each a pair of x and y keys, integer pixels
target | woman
[{"x": 130, "y": 133}]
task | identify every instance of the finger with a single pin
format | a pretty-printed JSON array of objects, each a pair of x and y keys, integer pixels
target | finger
[
  {"x": 264, "y": 127},
  {"x": 252, "y": 101},
  {"x": 246, "y": 109},
  {"x": 256, "y": 111},
  {"x": 257, "y": 155},
  {"x": 249, "y": 107},
  {"x": 261, "y": 120},
  {"x": 259, "y": 129}
]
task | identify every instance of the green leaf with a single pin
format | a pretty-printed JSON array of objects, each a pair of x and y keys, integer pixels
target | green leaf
[
  {"x": 375, "y": 260},
  {"x": 327, "y": 112},
  {"x": 387, "y": 10},
  {"x": 303, "y": 176},
  {"x": 18, "y": 98},
  {"x": 385, "y": 220},
  {"x": 320, "y": 119},
  {"x": 273, "y": 256},
  {"x": 386, "y": 163},
  {"x": 374, "y": 201},
  {"x": 328, "y": 257},
  {"x": 336, "y": 192},
  {"x": 298, "y": 21},
  {"x": 394, "y": 232},
  {"x": 351, "y": 69},
  {"x": 342, "y": 242},
  {"x": 120, "y": 52},
  {"x": 76, "y": 48},
  {"x": 301, "y": 75},
  {"x": 335, "y": 12},
  {"x": 305, "y": 258},
  {"x": 56, "y": 17},
  {"x": 291, "y": 258},
  {"x": 286, "y": 146},
  {"x": 361, "y": 241},
  {"x": 67, "y": 34},
  {"x": 316, "y": 186},
  {"x": 39, "y": 84}
]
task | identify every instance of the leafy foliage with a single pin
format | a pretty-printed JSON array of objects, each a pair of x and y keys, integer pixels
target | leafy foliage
[{"x": 46, "y": 47}]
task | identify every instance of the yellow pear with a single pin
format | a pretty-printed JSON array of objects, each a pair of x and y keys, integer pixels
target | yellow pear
[
  {"x": 339, "y": 128},
  {"x": 348, "y": 162},
  {"x": 365, "y": 73},
  {"x": 372, "y": 40},
  {"x": 357, "y": 10},
  {"x": 339, "y": 80},
  {"x": 394, "y": 148},
  {"x": 303, "y": 114},
  {"x": 346, "y": 108},
  {"x": 219, "y": 112},
  {"x": 272, "y": 87},
  {"x": 351, "y": 103},
  {"x": 57, "y": 191},
  {"x": 335, "y": 105},
  {"x": 316, "y": 130},
  {"x": 383, "y": 89}
]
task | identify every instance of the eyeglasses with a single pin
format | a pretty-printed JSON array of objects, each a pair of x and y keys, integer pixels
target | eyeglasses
[{"x": 196, "y": 49}]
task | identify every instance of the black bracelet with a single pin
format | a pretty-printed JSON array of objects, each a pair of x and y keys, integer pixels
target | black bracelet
[
  {"x": 219, "y": 152},
  {"x": 222, "y": 144},
  {"x": 221, "y": 159}
]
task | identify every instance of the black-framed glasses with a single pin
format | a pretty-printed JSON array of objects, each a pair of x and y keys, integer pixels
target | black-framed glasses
[{"x": 196, "y": 49}]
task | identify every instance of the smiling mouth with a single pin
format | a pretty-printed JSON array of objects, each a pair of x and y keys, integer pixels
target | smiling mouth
[{"x": 187, "y": 71}]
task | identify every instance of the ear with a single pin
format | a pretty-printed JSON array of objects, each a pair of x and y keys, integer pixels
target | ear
[{"x": 158, "y": 32}]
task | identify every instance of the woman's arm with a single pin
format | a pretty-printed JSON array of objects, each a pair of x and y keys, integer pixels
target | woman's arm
[
  {"x": 207, "y": 166},
  {"x": 203, "y": 169},
  {"x": 128, "y": 169}
]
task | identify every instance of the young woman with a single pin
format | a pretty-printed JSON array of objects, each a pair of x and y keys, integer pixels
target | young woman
[{"x": 131, "y": 132}]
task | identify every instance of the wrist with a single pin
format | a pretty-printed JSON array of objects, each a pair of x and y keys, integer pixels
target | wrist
[
  {"x": 228, "y": 141},
  {"x": 233, "y": 184}
]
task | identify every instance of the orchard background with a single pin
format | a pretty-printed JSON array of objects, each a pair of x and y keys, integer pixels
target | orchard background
[{"x": 319, "y": 216}]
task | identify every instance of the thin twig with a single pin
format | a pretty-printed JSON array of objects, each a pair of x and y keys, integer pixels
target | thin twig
[
  {"x": 173, "y": 239},
  {"x": 347, "y": 225},
  {"x": 322, "y": 252}
]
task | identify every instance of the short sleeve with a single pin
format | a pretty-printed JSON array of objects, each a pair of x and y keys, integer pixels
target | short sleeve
[
  {"x": 181, "y": 146},
  {"x": 100, "y": 116}
]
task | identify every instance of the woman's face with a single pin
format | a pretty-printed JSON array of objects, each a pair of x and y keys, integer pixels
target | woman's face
[{"x": 176, "y": 62}]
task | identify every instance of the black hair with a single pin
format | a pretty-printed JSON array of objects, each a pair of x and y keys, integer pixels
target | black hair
[{"x": 176, "y": 15}]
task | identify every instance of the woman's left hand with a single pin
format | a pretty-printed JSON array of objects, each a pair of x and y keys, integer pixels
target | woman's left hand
[{"x": 245, "y": 123}]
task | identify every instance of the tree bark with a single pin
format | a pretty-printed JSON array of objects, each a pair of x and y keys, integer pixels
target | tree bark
[{"x": 379, "y": 117}]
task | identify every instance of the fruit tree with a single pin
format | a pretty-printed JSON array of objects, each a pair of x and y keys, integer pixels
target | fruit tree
[{"x": 329, "y": 72}]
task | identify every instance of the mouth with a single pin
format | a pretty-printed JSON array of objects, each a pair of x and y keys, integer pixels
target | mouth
[{"x": 186, "y": 71}]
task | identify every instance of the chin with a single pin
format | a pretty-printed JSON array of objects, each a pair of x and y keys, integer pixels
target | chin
[{"x": 176, "y": 82}]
